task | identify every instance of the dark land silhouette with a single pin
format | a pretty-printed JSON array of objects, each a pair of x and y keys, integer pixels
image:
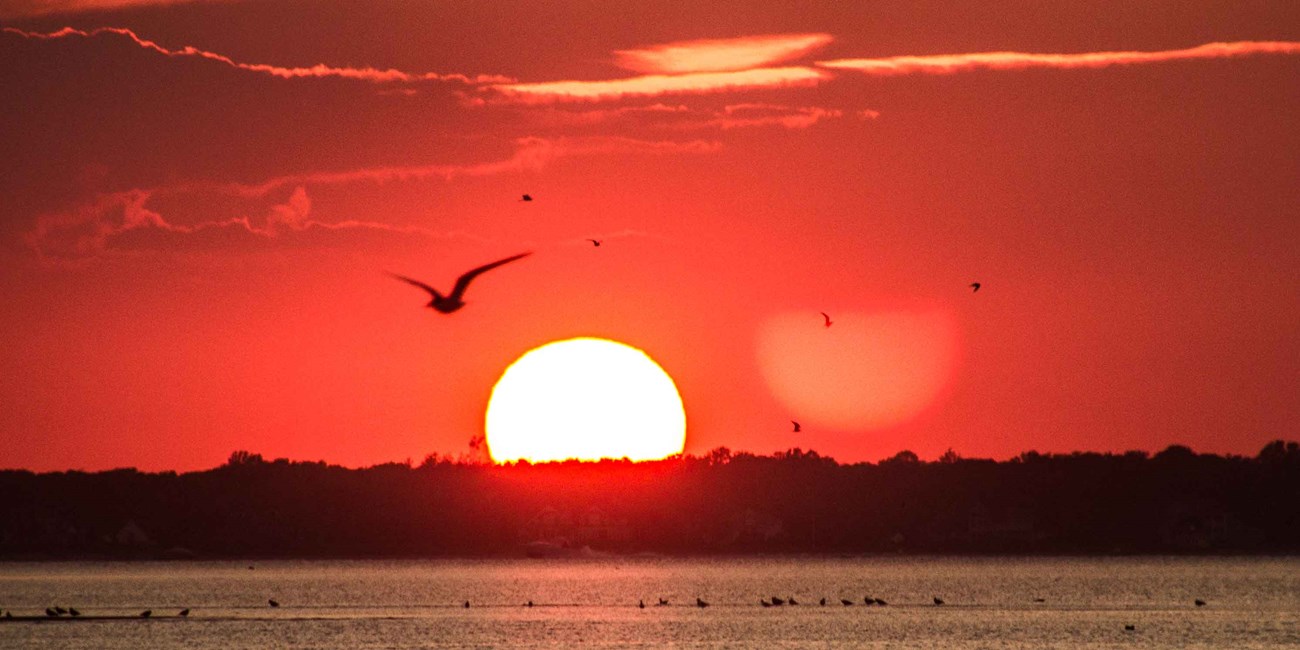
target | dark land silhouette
[{"x": 1176, "y": 501}]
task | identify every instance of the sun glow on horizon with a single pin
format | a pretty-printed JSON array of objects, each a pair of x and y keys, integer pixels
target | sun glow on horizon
[{"x": 586, "y": 399}]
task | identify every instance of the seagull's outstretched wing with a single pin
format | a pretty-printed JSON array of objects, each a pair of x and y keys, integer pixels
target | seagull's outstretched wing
[
  {"x": 433, "y": 292},
  {"x": 463, "y": 281}
]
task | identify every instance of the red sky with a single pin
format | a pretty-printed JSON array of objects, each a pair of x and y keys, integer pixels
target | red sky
[{"x": 201, "y": 200}]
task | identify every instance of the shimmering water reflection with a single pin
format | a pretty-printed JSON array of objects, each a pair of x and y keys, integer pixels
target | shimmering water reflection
[{"x": 989, "y": 602}]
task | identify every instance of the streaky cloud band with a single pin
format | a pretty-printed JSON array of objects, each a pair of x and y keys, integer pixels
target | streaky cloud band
[
  {"x": 953, "y": 63},
  {"x": 320, "y": 70}
]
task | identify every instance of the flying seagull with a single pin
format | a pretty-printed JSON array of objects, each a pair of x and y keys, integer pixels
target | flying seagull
[
  {"x": 797, "y": 428},
  {"x": 975, "y": 286},
  {"x": 828, "y": 319},
  {"x": 453, "y": 301},
  {"x": 594, "y": 242},
  {"x": 527, "y": 197}
]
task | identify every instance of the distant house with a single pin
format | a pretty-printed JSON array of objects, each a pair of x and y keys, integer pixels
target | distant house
[
  {"x": 591, "y": 526},
  {"x": 750, "y": 527},
  {"x": 131, "y": 534},
  {"x": 1005, "y": 527},
  {"x": 1197, "y": 526}
]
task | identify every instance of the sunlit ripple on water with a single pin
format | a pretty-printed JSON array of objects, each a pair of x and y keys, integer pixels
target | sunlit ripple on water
[{"x": 1253, "y": 603}]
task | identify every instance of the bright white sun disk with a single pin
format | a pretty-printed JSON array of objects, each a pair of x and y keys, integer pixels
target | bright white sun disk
[{"x": 584, "y": 398}]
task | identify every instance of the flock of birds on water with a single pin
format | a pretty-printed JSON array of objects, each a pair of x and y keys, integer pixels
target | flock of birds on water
[{"x": 774, "y": 601}]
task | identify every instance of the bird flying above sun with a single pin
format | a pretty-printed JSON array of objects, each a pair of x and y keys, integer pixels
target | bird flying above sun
[{"x": 584, "y": 398}]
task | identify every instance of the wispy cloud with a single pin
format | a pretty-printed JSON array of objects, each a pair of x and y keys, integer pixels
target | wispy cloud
[
  {"x": 650, "y": 85},
  {"x": 126, "y": 221},
  {"x": 718, "y": 55},
  {"x": 952, "y": 63},
  {"x": 15, "y": 8},
  {"x": 531, "y": 154},
  {"x": 320, "y": 70}
]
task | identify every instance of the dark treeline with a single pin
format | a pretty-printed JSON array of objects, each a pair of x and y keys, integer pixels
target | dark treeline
[{"x": 1176, "y": 501}]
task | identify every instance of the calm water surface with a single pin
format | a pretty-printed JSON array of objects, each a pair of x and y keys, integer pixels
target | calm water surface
[{"x": 990, "y": 603}]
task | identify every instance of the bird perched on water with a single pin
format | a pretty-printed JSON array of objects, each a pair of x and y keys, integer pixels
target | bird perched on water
[
  {"x": 663, "y": 602},
  {"x": 60, "y": 610},
  {"x": 467, "y": 604},
  {"x": 797, "y": 428},
  {"x": 846, "y": 602},
  {"x": 974, "y": 286},
  {"x": 881, "y": 601},
  {"x": 1200, "y": 603},
  {"x": 185, "y": 612},
  {"x": 938, "y": 600},
  {"x": 640, "y": 604},
  {"x": 1130, "y": 628},
  {"x": 823, "y": 602},
  {"x": 526, "y": 197},
  {"x": 777, "y": 601},
  {"x": 50, "y": 612},
  {"x": 594, "y": 242},
  {"x": 699, "y": 602},
  {"x": 146, "y": 613},
  {"x": 764, "y": 603},
  {"x": 455, "y": 300},
  {"x": 273, "y": 602},
  {"x": 73, "y": 611},
  {"x": 827, "y": 318}
]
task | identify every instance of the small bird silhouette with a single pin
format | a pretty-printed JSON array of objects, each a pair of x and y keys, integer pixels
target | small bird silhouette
[
  {"x": 1200, "y": 603},
  {"x": 777, "y": 601},
  {"x": 846, "y": 602},
  {"x": 146, "y": 613},
  {"x": 764, "y": 603},
  {"x": 530, "y": 603},
  {"x": 60, "y": 610},
  {"x": 526, "y": 197},
  {"x": 869, "y": 600},
  {"x": 797, "y": 428},
  {"x": 185, "y": 612},
  {"x": 453, "y": 301},
  {"x": 699, "y": 602},
  {"x": 594, "y": 242},
  {"x": 791, "y": 600},
  {"x": 827, "y": 318},
  {"x": 50, "y": 612},
  {"x": 273, "y": 602},
  {"x": 823, "y": 602},
  {"x": 975, "y": 286},
  {"x": 938, "y": 600},
  {"x": 881, "y": 601},
  {"x": 467, "y": 604},
  {"x": 640, "y": 604},
  {"x": 1040, "y": 600},
  {"x": 663, "y": 602},
  {"x": 1130, "y": 628},
  {"x": 73, "y": 611}
]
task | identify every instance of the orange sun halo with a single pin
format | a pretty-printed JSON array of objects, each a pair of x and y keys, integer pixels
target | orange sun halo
[{"x": 584, "y": 398}]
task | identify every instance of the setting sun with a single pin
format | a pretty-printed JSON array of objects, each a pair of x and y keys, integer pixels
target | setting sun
[{"x": 584, "y": 398}]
